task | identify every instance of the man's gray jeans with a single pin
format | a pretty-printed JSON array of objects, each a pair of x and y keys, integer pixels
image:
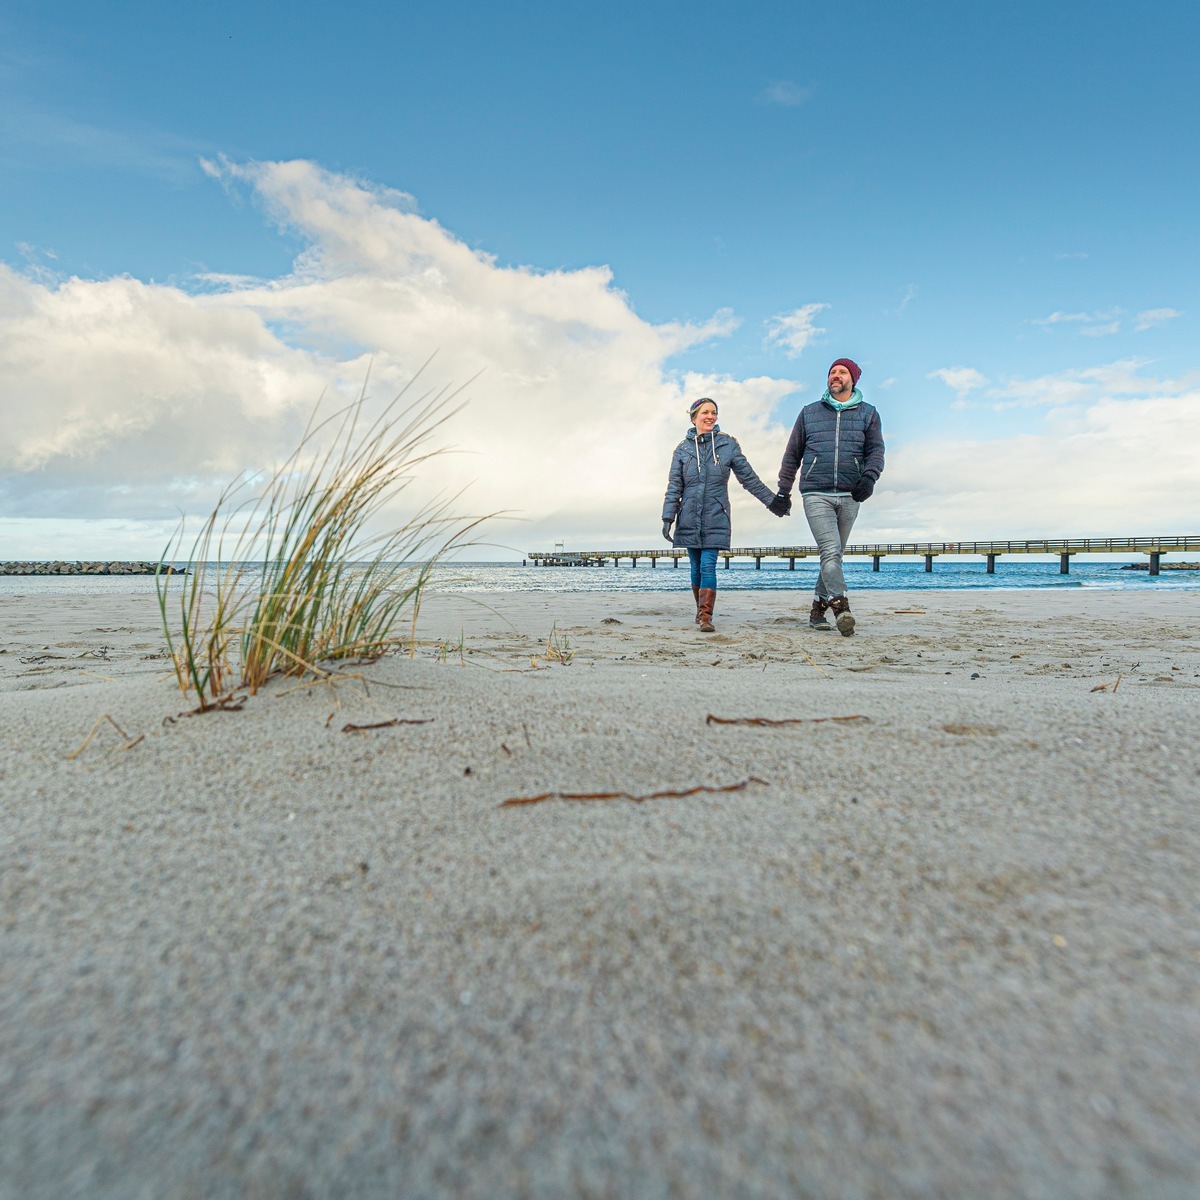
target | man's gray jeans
[{"x": 830, "y": 517}]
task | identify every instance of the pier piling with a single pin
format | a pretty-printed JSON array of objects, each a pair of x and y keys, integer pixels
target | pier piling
[{"x": 1061, "y": 548}]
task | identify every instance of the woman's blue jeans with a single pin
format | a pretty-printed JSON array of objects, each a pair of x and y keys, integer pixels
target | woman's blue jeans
[{"x": 704, "y": 568}]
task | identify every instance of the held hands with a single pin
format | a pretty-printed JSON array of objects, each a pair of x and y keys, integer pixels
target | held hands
[
  {"x": 781, "y": 506},
  {"x": 863, "y": 488},
  {"x": 667, "y": 531}
]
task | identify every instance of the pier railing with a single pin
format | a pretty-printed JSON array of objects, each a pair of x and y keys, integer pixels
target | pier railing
[{"x": 1065, "y": 548}]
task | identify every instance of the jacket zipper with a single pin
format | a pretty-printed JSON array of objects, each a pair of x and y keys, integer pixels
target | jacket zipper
[{"x": 837, "y": 448}]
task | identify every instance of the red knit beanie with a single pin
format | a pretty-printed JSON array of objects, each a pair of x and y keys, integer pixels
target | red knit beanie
[{"x": 851, "y": 366}]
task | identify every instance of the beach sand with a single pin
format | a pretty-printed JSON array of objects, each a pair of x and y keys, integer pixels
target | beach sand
[{"x": 948, "y": 948}]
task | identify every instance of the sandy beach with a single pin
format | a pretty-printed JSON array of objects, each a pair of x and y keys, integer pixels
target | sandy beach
[{"x": 935, "y": 933}]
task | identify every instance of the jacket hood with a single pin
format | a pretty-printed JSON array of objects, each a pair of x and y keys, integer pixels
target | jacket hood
[{"x": 839, "y": 406}]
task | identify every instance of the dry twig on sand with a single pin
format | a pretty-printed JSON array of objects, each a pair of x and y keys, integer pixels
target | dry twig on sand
[
  {"x": 87, "y": 741},
  {"x": 814, "y": 662},
  {"x": 352, "y": 728},
  {"x": 665, "y": 795},
  {"x": 711, "y": 720}
]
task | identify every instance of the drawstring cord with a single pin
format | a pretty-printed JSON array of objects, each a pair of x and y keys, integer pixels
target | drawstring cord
[{"x": 712, "y": 442}]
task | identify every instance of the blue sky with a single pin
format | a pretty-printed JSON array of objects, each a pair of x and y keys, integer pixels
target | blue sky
[{"x": 992, "y": 208}]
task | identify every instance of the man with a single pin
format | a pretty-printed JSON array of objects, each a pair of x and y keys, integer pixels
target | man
[{"x": 837, "y": 448}]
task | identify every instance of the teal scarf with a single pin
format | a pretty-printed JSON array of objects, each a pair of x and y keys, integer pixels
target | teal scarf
[{"x": 856, "y": 398}]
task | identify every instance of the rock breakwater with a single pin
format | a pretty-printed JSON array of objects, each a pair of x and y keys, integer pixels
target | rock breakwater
[
  {"x": 1176, "y": 566},
  {"x": 88, "y": 568}
]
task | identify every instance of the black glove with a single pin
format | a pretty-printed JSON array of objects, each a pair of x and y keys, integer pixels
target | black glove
[
  {"x": 863, "y": 488},
  {"x": 781, "y": 505},
  {"x": 667, "y": 531}
]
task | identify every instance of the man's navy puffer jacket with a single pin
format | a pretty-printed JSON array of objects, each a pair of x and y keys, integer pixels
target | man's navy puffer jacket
[{"x": 832, "y": 450}]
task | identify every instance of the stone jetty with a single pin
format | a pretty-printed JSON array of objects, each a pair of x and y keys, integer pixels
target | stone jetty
[{"x": 87, "y": 568}]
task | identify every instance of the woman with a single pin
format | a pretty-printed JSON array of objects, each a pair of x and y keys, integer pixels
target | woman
[{"x": 697, "y": 500}]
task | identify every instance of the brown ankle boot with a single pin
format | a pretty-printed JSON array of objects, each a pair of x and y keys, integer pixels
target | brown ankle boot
[
  {"x": 845, "y": 619},
  {"x": 816, "y": 616},
  {"x": 708, "y": 599},
  {"x": 696, "y": 593}
]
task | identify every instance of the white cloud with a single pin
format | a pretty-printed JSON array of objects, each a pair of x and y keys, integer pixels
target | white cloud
[
  {"x": 1119, "y": 379},
  {"x": 1056, "y": 318},
  {"x": 1098, "y": 324},
  {"x": 1100, "y": 469},
  {"x": 123, "y": 400},
  {"x": 1104, "y": 324},
  {"x": 1150, "y": 317},
  {"x": 50, "y": 137},
  {"x": 910, "y": 294},
  {"x": 1105, "y": 330},
  {"x": 795, "y": 330},
  {"x": 961, "y": 379},
  {"x": 786, "y": 93}
]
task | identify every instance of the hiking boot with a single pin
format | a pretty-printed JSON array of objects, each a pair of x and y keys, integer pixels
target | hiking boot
[
  {"x": 816, "y": 616},
  {"x": 845, "y": 618},
  {"x": 708, "y": 598},
  {"x": 696, "y": 593}
]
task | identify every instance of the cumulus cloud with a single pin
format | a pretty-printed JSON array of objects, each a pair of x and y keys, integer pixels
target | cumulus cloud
[
  {"x": 961, "y": 379},
  {"x": 124, "y": 400},
  {"x": 793, "y": 331},
  {"x": 1075, "y": 472},
  {"x": 1081, "y": 386}
]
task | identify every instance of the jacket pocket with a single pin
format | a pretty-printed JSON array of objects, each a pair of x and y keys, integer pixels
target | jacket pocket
[{"x": 812, "y": 466}]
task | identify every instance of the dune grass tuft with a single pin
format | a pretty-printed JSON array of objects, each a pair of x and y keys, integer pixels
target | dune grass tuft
[{"x": 291, "y": 581}]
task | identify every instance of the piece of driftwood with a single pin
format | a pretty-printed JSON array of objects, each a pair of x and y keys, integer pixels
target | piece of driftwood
[
  {"x": 669, "y": 794},
  {"x": 711, "y": 720},
  {"x": 351, "y": 728}
]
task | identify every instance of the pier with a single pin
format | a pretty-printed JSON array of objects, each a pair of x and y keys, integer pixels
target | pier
[{"x": 1065, "y": 548}]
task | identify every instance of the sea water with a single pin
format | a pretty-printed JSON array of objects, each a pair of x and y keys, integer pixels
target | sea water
[
  {"x": 949, "y": 573},
  {"x": 952, "y": 574}
]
